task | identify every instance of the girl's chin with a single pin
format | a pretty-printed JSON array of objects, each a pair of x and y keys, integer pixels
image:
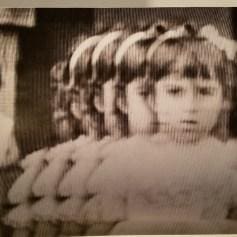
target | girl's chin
[
  {"x": 187, "y": 137},
  {"x": 184, "y": 136}
]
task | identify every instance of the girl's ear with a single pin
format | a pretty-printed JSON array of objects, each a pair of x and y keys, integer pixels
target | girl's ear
[
  {"x": 76, "y": 110},
  {"x": 99, "y": 102}
]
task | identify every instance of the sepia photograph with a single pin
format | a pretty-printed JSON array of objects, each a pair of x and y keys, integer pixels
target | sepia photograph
[{"x": 118, "y": 121}]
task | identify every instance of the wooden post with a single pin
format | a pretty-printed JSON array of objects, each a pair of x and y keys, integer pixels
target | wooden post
[
  {"x": 10, "y": 20},
  {"x": 8, "y": 77}
]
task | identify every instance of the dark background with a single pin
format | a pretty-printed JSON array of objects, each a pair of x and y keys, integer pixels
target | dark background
[{"x": 51, "y": 40}]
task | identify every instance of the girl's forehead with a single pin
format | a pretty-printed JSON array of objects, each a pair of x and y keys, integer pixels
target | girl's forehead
[{"x": 176, "y": 80}]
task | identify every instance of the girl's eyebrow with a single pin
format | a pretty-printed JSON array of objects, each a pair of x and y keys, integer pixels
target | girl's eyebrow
[
  {"x": 194, "y": 71},
  {"x": 210, "y": 82},
  {"x": 207, "y": 85},
  {"x": 211, "y": 87},
  {"x": 173, "y": 85}
]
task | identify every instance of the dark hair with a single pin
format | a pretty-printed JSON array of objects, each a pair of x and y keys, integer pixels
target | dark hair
[
  {"x": 65, "y": 125},
  {"x": 193, "y": 57},
  {"x": 133, "y": 64},
  {"x": 104, "y": 70},
  {"x": 91, "y": 119}
]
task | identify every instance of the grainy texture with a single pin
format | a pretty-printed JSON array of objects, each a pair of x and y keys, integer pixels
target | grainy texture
[{"x": 84, "y": 185}]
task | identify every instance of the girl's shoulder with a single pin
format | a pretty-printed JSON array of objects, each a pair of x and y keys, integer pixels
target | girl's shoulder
[
  {"x": 219, "y": 152},
  {"x": 128, "y": 147},
  {"x": 229, "y": 148},
  {"x": 154, "y": 148},
  {"x": 230, "y": 151},
  {"x": 89, "y": 149},
  {"x": 231, "y": 143}
]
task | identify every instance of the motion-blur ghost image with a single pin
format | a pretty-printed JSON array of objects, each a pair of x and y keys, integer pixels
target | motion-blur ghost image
[{"x": 124, "y": 123}]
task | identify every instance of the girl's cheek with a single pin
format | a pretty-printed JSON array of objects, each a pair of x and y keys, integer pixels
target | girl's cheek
[{"x": 211, "y": 105}]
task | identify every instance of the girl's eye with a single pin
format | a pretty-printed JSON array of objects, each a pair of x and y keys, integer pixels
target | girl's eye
[
  {"x": 120, "y": 89},
  {"x": 205, "y": 91},
  {"x": 176, "y": 91},
  {"x": 144, "y": 93}
]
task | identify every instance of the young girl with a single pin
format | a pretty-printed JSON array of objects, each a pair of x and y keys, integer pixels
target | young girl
[
  {"x": 102, "y": 77},
  {"x": 103, "y": 70},
  {"x": 181, "y": 180},
  {"x": 64, "y": 123}
]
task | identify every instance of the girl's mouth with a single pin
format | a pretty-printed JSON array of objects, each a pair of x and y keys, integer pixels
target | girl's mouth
[
  {"x": 191, "y": 122},
  {"x": 189, "y": 125}
]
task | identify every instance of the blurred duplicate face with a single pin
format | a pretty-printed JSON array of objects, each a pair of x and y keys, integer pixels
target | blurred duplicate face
[
  {"x": 109, "y": 107},
  {"x": 141, "y": 116},
  {"x": 108, "y": 97},
  {"x": 105, "y": 102},
  {"x": 188, "y": 109}
]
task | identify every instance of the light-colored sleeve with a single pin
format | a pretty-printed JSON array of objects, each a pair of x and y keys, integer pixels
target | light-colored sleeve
[
  {"x": 69, "y": 209},
  {"x": 108, "y": 186},
  {"x": 21, "y": 190},
  {"x": 75, "y": 180},
  {"x": 48, "y": 180},
  {"x": 102, "y": 209},
  {"x": 45, "y": 209},
  {"x": 20, "y": 216},
  {"x": 111, "y": 175},
  {"x": 33, "y": 158}
]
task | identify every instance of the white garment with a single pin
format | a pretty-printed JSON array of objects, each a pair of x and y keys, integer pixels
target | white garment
[{"x": 151, "y": 179}]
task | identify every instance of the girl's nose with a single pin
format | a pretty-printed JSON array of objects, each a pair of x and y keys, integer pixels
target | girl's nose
[{"x": 190, "y": 103}]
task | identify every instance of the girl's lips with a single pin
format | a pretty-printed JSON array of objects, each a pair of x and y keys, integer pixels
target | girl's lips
[
  {"x": 191, "y": 122},
  {"x": 189, "y": 125}
]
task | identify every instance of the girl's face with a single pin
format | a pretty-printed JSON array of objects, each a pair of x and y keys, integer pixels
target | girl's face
[
  {"x": 188, "y": 109},
  {"x": 132, "y": 100},
  {"x": 140, "y": 114}
]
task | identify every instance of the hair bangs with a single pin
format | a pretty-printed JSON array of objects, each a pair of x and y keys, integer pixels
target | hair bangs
[
  {"x": 105, "y": 68},
  {"x": 190, "y": 57}
]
